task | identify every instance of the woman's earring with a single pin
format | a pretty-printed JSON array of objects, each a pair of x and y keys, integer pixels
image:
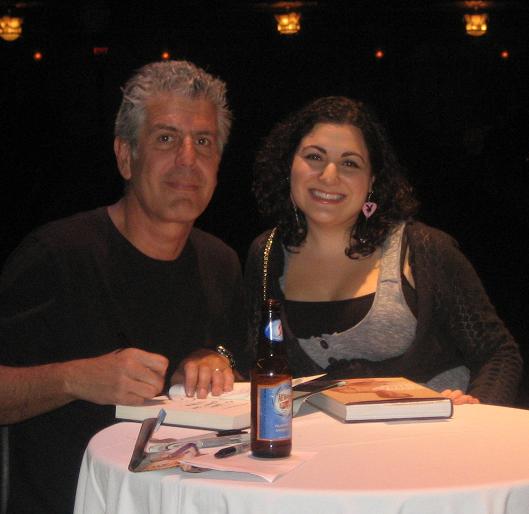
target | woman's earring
[
  {"x": 296, "y": 215},
  {"x": 368, "y": 209},
  {"x": 369, "y": 206}
]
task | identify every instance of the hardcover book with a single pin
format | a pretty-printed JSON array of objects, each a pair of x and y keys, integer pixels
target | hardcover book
[
  {"x": 225, "y": 412},
  {"x": 215, "y": 412},
  {"x": 382, "y": 399}
]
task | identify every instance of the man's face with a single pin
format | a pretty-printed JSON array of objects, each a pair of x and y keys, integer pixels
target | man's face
[{"x": 173, "y": 173}]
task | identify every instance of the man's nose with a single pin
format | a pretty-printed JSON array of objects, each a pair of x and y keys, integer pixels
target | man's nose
[{"x": 187, "y": 153}]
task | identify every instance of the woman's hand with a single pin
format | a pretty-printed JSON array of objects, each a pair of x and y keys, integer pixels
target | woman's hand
[{"x": 458, "y": 397}]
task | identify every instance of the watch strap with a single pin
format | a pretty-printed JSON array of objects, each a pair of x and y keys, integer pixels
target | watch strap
[{"x": 221, "y": 350}]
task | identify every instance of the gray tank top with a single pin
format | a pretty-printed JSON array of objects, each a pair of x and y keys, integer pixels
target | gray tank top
[
  {"x": 388, "y": 328},
  {"x": 386, "y": 331}
]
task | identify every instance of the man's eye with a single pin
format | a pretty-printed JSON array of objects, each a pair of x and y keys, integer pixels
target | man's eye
[
  {"x": 203, "y": 141},
  {"x": 165, "y": 138}
]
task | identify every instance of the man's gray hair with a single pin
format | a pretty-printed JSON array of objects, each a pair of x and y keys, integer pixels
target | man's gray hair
[{"x": 179, "y": 77}]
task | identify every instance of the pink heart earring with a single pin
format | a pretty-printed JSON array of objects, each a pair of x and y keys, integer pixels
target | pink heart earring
[
  {"x": 369, "y": 206},
  {"x": 368, "y": 209}
]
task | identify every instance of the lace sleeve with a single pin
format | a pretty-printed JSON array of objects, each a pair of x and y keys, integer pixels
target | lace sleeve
[{"x": 472, "y": 323}]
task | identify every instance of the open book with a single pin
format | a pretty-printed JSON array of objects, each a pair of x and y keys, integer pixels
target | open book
[
  {"x": 378, "y": 399},
  {"x": 225, "y": 412}
]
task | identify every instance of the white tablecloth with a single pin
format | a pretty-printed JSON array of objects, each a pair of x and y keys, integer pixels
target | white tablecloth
[{"x": 475, "y": 463}]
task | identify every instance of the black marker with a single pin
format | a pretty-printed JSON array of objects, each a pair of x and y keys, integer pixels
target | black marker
[
  {"x": 232, "y": 450},
  {"x": 223, "y": 433}
]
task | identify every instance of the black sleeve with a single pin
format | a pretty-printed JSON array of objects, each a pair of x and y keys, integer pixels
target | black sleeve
[
  {"x": 221, "y": 275},
  {"x": 30, "y": 305},
  {"x": 253, "y": 291},
  {"x": 473, "y": 325},
  {"x": 235, "y": 333}
]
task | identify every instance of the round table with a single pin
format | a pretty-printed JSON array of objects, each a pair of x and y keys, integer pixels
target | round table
[{"x": 476, "y": 462}]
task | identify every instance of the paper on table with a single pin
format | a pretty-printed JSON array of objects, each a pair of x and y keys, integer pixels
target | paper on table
[
  {"x": 241, "y": 390},
  {"x": 269, "y": 469}
]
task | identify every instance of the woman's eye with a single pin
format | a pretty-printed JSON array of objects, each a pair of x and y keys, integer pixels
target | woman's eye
[
  {"x": 350, "y": 164},
  {"x": 313, "y": 157}
]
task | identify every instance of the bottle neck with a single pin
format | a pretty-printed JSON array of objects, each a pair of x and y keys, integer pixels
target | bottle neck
[
  {"x": 269, "y": 348},
  {"x": 271, "y": 331}
]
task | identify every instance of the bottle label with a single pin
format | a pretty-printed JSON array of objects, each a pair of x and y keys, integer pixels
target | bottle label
[
  {"x": 274, "y": 411},
  {"x": 274, "y": 331}
]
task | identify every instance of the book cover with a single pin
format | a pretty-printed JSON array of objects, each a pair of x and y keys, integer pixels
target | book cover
[{"x": 382, "y": 399}]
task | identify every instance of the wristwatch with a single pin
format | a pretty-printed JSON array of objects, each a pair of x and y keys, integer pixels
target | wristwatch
[{"x": 221, "y": 350}]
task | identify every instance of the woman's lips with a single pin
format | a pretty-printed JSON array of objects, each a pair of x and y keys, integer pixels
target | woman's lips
[{"x": 323, "y": 196}]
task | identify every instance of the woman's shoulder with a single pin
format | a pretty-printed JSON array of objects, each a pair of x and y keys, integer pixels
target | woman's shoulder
[
  {"x": 260, "y": 248},
  {"x": 259, "y": 243},
  {"x": 419, "y": 233},
  {"x": 434, "y": 249}
]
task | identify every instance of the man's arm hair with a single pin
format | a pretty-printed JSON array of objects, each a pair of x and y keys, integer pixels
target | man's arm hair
[
  {"x": 126, "y": 376},
  {"x": 29, "y": 391}
]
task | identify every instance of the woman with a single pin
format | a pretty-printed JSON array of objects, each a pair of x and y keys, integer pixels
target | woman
[{"x": 367, "y": 291}]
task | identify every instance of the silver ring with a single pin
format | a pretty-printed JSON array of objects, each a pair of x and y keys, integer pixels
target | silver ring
[{"x": 218, "y": 369}]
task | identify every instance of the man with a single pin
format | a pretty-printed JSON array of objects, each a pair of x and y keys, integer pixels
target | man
[{"x": 112, "y": 305}]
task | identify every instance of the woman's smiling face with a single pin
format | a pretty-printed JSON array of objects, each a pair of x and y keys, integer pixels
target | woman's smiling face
[{"x": 331, "y": 175}]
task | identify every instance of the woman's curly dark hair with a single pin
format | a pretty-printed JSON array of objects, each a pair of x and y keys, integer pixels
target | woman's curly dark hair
[{"x": 271, "y": 184}]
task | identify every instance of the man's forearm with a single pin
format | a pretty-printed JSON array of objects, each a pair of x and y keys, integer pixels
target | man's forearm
[{"x": 30, "y": 391}]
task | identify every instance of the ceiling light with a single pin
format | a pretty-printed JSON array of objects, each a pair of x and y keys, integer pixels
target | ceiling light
[{"x": 10, "y": 27}]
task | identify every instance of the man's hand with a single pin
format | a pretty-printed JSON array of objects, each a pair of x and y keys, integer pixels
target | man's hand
[
  {"x": 458, "y": 397},
  {"x": 127, "y": 376},
  {"x": 204, "y": 371}
]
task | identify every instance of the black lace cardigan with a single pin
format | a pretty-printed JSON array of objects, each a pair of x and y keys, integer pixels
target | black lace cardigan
[{"x": 456, "y": 322}]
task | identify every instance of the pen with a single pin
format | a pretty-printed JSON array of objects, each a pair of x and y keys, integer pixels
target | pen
[
  {"x": 233, "y": 450},
  {"x": 232, "y": 431},
  {"x": 220, "y": 436},
  {"x": 224, "y": 440},
  {"x": 207, "y": 441},
  {"x": 159, "y": 419}
]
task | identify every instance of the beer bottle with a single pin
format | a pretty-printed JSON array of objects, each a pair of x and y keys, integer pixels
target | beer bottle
[{"x": 271, "y": 389}]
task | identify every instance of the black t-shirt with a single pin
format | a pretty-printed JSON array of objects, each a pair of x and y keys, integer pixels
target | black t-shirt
[{"x": 77, "y": 288}]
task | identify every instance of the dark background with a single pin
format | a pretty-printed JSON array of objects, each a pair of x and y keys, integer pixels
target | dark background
[{"x": 458, "y": 113}]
